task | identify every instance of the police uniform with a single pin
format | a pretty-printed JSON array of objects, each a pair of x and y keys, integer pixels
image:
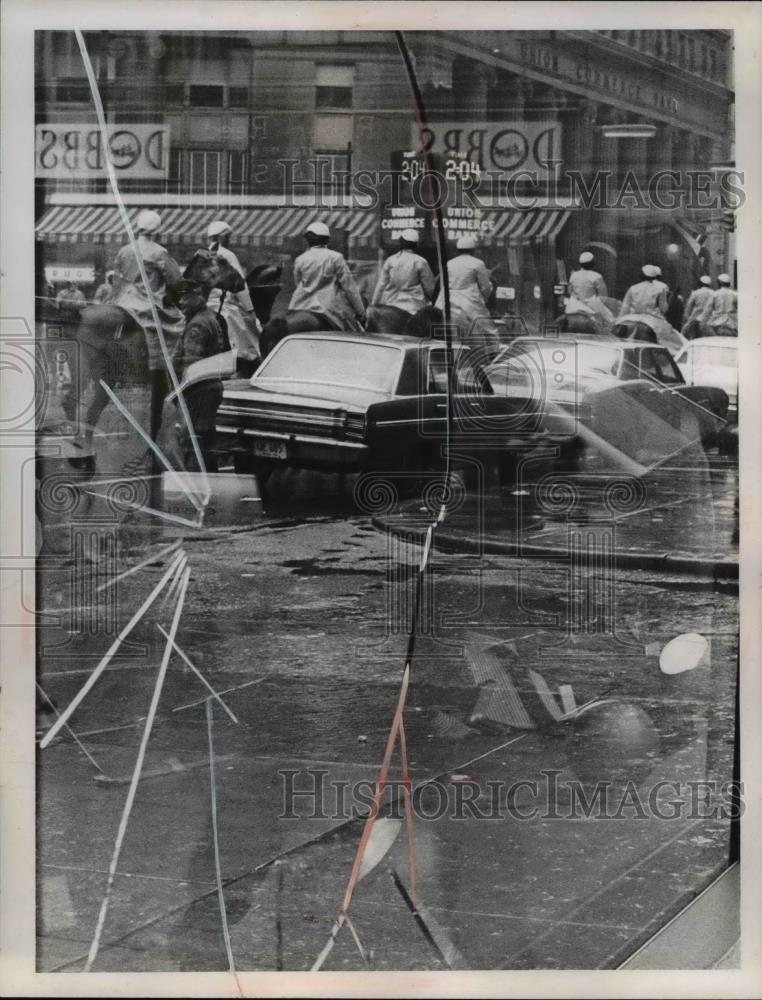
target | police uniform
[
  {"x": 163, "y": 275},
  {"x": 587, "y": 287},
  {"x": 238, "y": 312},
  {"x": 324, "y": 285},
  {"x": 405, "y": 282},
  {"x": 649, "y": 297},
  {"x": 722, "y": 310},
  {"x": 697, "y": 303},
  {"x": 470, "y": 289}
]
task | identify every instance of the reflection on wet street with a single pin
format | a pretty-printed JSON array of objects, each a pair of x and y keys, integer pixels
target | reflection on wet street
[{"x": 556, "y": 752}]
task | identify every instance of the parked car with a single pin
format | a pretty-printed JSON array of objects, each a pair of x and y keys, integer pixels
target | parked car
[
  {"x": 627, "y": 400},
  {"x": 712, "y": 361},
  {"x": 348, "y": 402}
]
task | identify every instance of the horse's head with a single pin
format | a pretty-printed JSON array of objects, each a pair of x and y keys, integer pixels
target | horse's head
[{"x": 207, "y": 268}]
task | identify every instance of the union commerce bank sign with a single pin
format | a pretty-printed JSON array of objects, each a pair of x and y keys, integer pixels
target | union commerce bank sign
[{"x": 76, "y": 151}]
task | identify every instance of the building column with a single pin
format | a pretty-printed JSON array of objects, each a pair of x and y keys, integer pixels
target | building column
[{"x": 579, "y": 155}]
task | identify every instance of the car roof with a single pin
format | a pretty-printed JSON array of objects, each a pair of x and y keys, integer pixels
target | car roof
[
  {"x": 626, "y": 345},
  {"x": 712, "y": 342},
  {"x": 394, "y": 339}
]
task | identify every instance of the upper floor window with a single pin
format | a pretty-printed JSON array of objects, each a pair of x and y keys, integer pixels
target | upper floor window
[
  {"x": 333, "y": 86},
  {"x": 204, "y": 95}
]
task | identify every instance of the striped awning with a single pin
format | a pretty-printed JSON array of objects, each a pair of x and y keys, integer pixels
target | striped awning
[
  {"x": 254, "y": 227},
  {"x": 534, "y": 225}
]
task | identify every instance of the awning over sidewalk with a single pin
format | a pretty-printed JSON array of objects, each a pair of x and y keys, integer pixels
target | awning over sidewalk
[
  {"x": 254, "y": 227},
  {"x": 528, "y": 225}
]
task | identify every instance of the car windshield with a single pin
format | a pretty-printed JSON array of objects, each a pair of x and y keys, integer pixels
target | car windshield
[{"x": 334, "y": 362}]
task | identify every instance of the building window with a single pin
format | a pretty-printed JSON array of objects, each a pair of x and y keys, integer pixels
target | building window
[
  {"x": 713, "y": 63},
  {"x": 333, "y": 86},
  {"x": 332, "y": 133},
  {"x": 237, "y": 170},
  {"x": 205, "y": 173},
  {"x": 238, "y": 97},
  {"x": 72, "y": 91},
  {"x": 174, "y": 93},
  {"x": 206, "y": 95}
]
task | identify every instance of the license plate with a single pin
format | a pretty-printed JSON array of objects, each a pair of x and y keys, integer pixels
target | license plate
[{"x": 271, "y": 449}]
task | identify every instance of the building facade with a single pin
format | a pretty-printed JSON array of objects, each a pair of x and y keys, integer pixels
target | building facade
[{"x": 550, "y": 142}]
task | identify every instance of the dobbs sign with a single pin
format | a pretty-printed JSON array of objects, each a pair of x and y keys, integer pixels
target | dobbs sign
[
  {"x": 505, "y": 147},
  {"x": 74, "y": 151}
]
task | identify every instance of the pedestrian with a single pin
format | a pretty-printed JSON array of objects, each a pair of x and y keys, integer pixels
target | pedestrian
[
  {"x": 587, "y": 289},
  {"x": 406, "y": 283},
  {"x": 324, "y": 287},
  {"x": 235, "y": 307},
  {"x": 201, "y": 338},
  {"x": 695, "y": 306},
  {"x": 721, "y": 312},
  {"x": 648, "y": 296},
  {"x": 470, "y": 290},
  {"x": 70, "y": 300},
  {"x": 105, "y": 290}
]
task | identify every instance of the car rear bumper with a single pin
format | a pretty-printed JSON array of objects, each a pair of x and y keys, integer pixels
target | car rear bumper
[{"x": 301, "y": 450}]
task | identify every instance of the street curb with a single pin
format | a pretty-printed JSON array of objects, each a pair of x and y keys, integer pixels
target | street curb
[{"x": 722, "y": 570}]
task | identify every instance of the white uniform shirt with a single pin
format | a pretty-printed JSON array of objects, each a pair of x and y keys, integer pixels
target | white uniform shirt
[
  {"x": 324, "y": 285},
  {"x": 722, "y": 310},
  {"x": 238, "y": 312},
  {"x": 405, "y": 282},
  {"x": 470, "y": 285},
  {"x": 585, "y": 284},
  {"x": 645, "y": 297},
  {"x": 697, "y": 303}
]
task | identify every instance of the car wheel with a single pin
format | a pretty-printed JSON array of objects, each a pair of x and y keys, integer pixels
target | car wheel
[{"x": 248, "y": 465}]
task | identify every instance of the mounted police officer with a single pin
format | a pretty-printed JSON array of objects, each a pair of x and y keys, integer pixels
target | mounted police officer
[
  {"x": 406, "y": 282},
  {"x": 695, "y": 306},
  {"x": 721, "y": 313},
  {"x": 235, "y": 307},
  {"x": 586, "y": 292},
  {"x": 326, "y": 295},
  {"x": 646, "y": 297},
  {"x": 470, "y": 290}
]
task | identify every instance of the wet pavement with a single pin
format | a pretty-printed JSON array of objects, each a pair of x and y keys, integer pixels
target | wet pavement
[{"x": 299, "y": 608}]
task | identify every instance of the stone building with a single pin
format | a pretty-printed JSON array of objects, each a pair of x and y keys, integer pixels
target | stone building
[{"x": 555, "y": 142}]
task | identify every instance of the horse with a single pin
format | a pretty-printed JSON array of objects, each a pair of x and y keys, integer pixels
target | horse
[
  {"x": 577, "y": 323},
  {"x": 108, "y": 339}
]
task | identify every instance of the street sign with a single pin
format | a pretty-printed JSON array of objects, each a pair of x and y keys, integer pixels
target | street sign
[
  {"x": 505, "y": 292},
  {"x": 77, "y": 275}
]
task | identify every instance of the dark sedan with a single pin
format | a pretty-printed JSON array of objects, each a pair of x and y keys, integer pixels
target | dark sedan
[{"x": 348, "y": 402}]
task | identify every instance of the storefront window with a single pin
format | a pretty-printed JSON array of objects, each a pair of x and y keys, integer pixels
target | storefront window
[{"x": 432, "y": 320}]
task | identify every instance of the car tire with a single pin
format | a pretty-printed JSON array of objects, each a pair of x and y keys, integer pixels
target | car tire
[{"x": 248, "y": 465}]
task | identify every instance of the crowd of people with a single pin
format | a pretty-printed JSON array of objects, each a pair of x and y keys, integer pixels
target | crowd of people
[
  {"x": 191, "y": 315},
  {"x": 707, "y": 312}
]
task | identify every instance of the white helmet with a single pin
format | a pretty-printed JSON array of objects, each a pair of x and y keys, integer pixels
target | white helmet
[
  {"x": 723, "y": 279},
  {"x": 466, "y": 243},
  {"x": 409, "y": 235},
  {"x": 586, "y": 257},
  {"x": 148, "y": 221},
  {"x": 218, "y": 228},
  {"x": 318, "y": 229},
  {"x": 705, "y": 279},
  {"x": 658, "y": 270},
  {"x": 650, "y": 271}
]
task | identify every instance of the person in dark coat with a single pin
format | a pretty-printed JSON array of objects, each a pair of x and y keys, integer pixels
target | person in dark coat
[{"x": 201, "y": 338}]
